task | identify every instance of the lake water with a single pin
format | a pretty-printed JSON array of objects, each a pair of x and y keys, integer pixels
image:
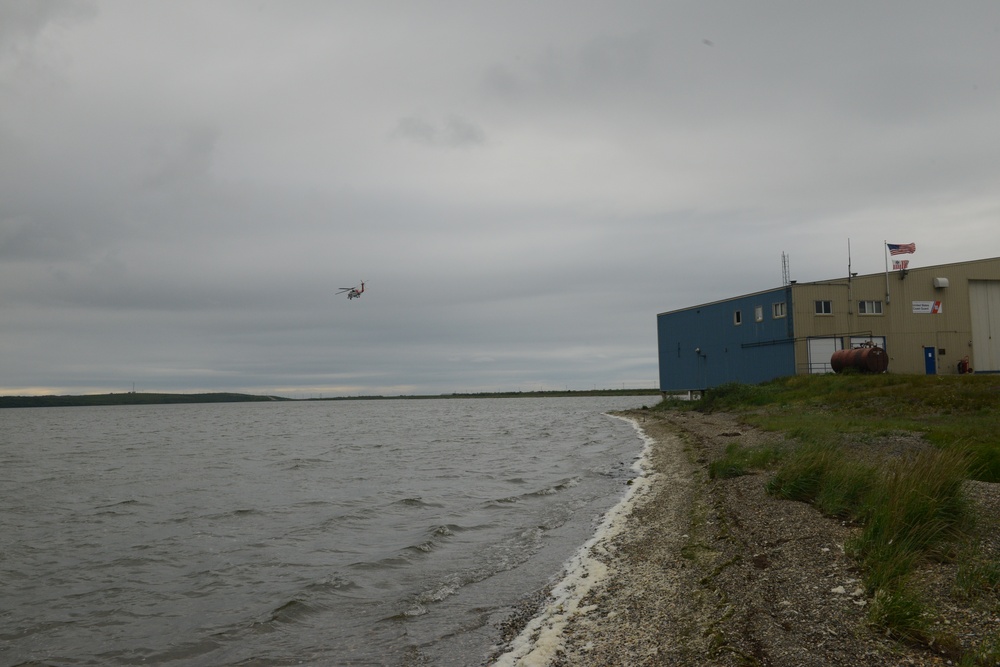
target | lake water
[{"x": 398, "y": 532}]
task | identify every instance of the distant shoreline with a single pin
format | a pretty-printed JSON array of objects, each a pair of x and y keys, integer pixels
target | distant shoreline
[{"x": 141, "y": 398}]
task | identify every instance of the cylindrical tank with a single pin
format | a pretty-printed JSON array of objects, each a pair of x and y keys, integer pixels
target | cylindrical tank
[{"x": 865, "y": 359}]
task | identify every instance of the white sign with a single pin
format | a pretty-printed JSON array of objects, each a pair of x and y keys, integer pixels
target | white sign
[{"x": 927, "y": 308}]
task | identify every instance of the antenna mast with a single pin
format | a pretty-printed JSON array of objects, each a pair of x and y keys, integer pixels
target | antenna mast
[{"x": 785, "y": 275}]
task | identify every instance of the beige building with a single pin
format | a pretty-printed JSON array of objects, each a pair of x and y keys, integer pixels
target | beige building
[
  {"x": 939, "y": 319},
  {"x": 927, "y": 319}
]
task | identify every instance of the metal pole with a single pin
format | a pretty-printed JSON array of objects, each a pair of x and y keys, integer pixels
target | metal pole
[{"x": 885, "y": 251}]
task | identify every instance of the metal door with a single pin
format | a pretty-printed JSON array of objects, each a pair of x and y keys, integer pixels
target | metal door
[
  {"x": 820, "y": 351},
  {"x": 984, "y": 304},
  {"x": 930, "y": 361}
]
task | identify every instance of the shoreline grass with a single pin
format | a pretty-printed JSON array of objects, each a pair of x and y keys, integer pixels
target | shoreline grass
[{"x": 910, "y": 505}]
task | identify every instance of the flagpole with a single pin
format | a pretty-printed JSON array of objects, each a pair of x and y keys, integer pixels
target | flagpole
[
  {"x": 885, "y": 251},
  {"x": 850, "y": 280}
]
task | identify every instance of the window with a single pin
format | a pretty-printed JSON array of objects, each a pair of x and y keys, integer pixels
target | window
[
  {"x": 869, "y": 307},
  {"x": 758, "y": 313},
  {"x": 737, "y": 317},
  {"x": 778, "y": 310},
  {"x": 824, "y": 307}
]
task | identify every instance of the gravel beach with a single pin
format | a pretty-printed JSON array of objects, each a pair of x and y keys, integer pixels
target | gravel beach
[{"x": 717, "y": 572}]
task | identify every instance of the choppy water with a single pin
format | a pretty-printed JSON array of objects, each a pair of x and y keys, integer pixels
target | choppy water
[{"x": 307, "y": 533}]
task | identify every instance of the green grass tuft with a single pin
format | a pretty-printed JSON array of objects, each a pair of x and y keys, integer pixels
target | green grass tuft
[
  {"x": 900, "y": 614},
  {"x": 976, "y": 574},
  {"x": 804, "y": 473},
  {"x": 739, "y": 460},
  {"x": 916, "y": 510},
  {"x": 987, "y": 654}
]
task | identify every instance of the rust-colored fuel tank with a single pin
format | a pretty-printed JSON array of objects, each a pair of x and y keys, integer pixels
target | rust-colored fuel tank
[{"x": 866, "y": 359}]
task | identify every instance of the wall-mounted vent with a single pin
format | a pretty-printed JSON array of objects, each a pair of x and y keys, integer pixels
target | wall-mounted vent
[{"x": 940, "y": 283}]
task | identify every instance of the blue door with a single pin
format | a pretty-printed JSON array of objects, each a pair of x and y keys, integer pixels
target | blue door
[{"x": 930, "y": 361}]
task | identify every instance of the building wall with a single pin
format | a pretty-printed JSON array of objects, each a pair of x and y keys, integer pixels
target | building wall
[
  {"x": 909, "y": 321},
  {"x": 840, "y": 318},
  {"x": 703, "y": 347}
]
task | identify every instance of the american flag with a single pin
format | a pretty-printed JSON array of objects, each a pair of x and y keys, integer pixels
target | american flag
[
  {"x": 900, "y": 264},
  {"x": 902, "y": 248}
]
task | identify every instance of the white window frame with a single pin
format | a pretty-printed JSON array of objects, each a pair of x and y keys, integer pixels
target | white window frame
[
  {"x": 758, "y": 313},
  {"x": 824, "y": 307},
  {"x": 869, "y": 308},
  {"x": 778, "y": 310},
  {"x": 737, "y": 317}
]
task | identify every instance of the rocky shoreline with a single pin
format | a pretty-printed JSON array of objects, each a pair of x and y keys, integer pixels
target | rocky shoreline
[{"x": 717, "y": 572}]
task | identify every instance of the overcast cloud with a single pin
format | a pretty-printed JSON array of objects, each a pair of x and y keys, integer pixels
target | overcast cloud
[{"x": 522, "y": 185}]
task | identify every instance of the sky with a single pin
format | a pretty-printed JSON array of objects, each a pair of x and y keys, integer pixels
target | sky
[{"x": 522, "y": 185}]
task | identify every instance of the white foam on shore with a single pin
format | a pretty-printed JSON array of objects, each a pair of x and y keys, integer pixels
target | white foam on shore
[{"x": 542, "y": 638}]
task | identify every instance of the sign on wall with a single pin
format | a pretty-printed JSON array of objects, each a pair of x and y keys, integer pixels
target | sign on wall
[{"x": 927, "y": 308}]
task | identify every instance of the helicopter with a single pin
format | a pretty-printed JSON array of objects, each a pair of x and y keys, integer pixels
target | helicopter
[{"x": 353, "y": 292}]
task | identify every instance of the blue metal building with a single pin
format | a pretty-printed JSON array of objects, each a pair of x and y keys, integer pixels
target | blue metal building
[{"x": 746, "y": 339}]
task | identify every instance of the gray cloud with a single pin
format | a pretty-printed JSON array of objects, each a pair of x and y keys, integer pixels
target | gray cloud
[
  {"x": 184, "y": 186},
  {"x": 452, "y": 133},
  {"x": 24, "y": 20}
]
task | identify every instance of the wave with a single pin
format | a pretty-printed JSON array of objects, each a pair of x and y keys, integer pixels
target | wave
[
  {"x": 305, "y": 463},
  {"x": 504, "y": 555},
  {"x": 120, "y": 503},
  {"x": 568, "y": 483},
  {"x": 435, "y": 535},
  {"x": 122, "y": 507},
  {"x": 292, "y": 611},
  {"x": 421, "y": 603},
  {"x": 428, "y": 542},
  {"x": 415, "y": 502},
  {"x": 183, "y": 653},
  {"x": 224, "y": 516},
  {"x": 410, "y": 612},
  {"x": 250, "y": 511},
  {"x": 389, "y": 562},
  {"x": 556, "y": 488},
  {"x": 135, "y": 563},
  {"x": 335, "y": 585}
]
